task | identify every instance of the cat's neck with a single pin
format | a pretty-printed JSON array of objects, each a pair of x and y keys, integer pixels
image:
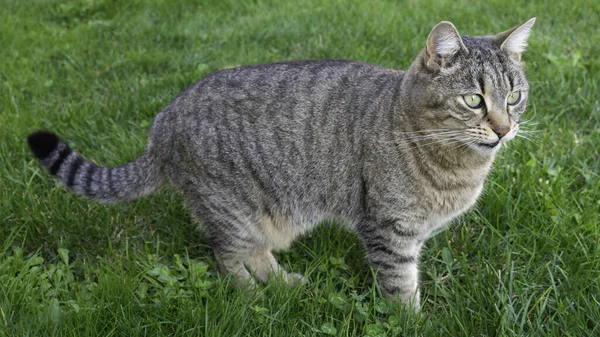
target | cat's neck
[
  {"x": 453, "y": 155},
  {"x": 450, "y": 165},
  {"x": 446, "y": 160}
]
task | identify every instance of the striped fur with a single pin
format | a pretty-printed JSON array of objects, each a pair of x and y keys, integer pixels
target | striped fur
[
  {"x": 262, "y": 153},
  {"x": 125, "y": 182}
]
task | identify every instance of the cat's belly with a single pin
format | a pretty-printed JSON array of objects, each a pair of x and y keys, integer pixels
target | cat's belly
[{"x": 280, "y": 231}]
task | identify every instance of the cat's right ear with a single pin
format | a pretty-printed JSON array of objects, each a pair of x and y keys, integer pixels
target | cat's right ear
[{"x": 443, "y": 43}]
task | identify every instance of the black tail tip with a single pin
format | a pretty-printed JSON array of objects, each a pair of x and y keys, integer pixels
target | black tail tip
[{"x": 42, "y": 143}]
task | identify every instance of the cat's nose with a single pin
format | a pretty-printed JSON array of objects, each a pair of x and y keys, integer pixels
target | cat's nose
[{"x": 501, "y": 131}]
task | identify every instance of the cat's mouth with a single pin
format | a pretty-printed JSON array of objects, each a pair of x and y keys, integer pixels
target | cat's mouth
[{"x": 489, "y": 145}]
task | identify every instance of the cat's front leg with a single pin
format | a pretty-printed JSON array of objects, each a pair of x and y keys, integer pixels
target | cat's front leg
[
  {"x": 400, "y": 282},
  {"x": 394, "y": 255}
]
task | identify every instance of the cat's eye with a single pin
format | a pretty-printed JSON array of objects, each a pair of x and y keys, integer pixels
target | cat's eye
[
  {"x": 513, "y": 98},
  {"x": 474, "y": 101}
]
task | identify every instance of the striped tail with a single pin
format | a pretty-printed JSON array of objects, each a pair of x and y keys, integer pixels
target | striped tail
[{"x": 126, "y": 182}]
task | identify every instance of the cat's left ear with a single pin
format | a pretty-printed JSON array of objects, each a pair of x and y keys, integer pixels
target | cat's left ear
[{"x": 514, "y": 41}]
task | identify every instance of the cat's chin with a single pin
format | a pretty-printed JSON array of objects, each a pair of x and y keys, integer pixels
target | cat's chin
[
  {"x": 488, "y": 145},
  {"x": 486, "y": 149}
]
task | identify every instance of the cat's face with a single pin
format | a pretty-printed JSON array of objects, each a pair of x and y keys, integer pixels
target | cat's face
[{"x": 473, "y": 90}]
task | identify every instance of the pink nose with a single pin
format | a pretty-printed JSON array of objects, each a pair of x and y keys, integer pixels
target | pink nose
[{"x": 501, "y": 131}]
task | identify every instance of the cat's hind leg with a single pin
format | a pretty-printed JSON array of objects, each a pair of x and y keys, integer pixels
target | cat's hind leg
[
  {"x": 232, "y": 234},
  {"x": 242, "y": 239},
  {"x": 231, "y": 246}
]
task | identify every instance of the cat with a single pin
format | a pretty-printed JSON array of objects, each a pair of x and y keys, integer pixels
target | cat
[{"x": 263, "y": 153}]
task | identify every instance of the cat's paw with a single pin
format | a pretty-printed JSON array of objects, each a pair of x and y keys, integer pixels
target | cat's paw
[
  {"x": 410, "y": 301},
  {"x": 246, "y": 285},
  {"x": 295, "y": 279}
]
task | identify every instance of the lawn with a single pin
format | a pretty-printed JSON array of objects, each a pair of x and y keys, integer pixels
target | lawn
[{"x": 524, "y": 262}]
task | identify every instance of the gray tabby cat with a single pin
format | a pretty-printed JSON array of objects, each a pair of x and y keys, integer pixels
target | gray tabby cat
[{"x": 262, "y": 153}]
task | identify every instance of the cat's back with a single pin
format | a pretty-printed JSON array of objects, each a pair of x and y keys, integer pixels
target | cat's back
[
  {"x": 285, "y": 96},
  {"x": 282, "y": 80}
]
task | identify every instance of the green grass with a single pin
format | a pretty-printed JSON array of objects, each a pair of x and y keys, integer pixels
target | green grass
[{"x": 525, "y": 262}]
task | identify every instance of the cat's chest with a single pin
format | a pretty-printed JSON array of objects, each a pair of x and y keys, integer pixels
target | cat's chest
[{"x": 443, "y": 206}]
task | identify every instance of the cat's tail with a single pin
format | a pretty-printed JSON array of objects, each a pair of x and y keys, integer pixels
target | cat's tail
[{"x": 106, "y": 184}]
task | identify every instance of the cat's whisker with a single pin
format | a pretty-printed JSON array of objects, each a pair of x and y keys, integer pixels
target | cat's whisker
[
  {"x": 525, "y": 137},
  {"x": 427, "y": 131},
  {"x": 462, "y": 145},
  {"x": 448, "y": 140},
  {"x": 424, "y": 142},
  {"x": 431, "y": 136},
  {"x": 456, "y": 139},
  {"x": 531, "y": 131},
  {"x": 528, "y": 129},
  {"x": 530, "y": 120},
  {"x": 532, "y": 140},
  {"x": 529, "y": 124},
  {"x": 431, "y": 139}
]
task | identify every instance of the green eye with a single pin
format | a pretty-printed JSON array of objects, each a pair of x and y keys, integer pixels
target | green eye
[
  {"x": 474, "y": 101},
  {"x": 513, "y": 98}
]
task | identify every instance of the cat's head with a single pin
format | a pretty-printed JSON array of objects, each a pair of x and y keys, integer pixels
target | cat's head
[{"x": 472, "y": 90}]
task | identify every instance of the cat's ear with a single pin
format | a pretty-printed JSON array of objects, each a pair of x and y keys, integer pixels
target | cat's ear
[
  {"x": 514, "y": 41},
  {"x": 443, "y": 43}
]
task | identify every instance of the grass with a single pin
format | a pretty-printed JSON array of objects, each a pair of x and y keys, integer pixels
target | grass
[{"x": 524, "y": 262}]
